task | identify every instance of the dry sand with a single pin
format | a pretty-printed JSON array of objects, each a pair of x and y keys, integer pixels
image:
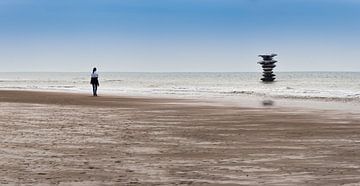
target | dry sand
[{"x": 75, "y": 139}]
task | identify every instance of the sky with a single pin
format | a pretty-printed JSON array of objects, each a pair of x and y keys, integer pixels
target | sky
[{"x": 178, "y": 35}]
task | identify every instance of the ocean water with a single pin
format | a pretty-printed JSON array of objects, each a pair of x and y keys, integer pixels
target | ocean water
[{"x": 333, "y": 86}]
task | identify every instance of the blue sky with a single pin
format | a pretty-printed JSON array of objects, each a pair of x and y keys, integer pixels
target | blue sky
[{"x": 178, "y": 35}]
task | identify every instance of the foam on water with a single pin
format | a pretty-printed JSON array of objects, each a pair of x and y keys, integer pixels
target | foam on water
[{"x": 333, "y": 86}]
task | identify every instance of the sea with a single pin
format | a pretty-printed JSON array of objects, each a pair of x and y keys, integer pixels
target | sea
[{"x": 327, "y": 86}]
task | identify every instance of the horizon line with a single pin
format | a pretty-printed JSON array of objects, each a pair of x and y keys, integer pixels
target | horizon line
[{"x": 168, "y": 71}]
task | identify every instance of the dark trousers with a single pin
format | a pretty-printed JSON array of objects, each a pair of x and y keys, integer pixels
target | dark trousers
[{"x": 94, "y": 89}]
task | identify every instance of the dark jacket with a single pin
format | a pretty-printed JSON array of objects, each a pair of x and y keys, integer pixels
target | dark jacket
[{"x": 94, "y": 81}]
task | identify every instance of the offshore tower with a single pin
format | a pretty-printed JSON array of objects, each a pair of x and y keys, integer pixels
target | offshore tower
[{"x": 268, "y": 64}]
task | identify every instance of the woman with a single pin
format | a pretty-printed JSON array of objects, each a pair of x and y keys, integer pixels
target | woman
[{"x": 94, "y": 81}]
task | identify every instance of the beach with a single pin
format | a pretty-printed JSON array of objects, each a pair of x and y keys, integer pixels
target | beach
[{"x": 75, "y": 139}]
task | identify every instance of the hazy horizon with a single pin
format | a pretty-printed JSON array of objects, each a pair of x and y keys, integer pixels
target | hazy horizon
[
  {"x": 178, "y": 35},
  {"x": 259, "y": 71}
]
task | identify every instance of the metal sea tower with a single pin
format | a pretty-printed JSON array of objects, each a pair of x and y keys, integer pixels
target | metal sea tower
[{"x": 268, "y": 64}]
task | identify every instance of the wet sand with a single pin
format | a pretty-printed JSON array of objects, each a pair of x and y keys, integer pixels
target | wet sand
[{"x": 76, "y": 139}]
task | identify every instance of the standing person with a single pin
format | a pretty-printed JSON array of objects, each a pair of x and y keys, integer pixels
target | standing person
[{"x": 94, "y": 81}]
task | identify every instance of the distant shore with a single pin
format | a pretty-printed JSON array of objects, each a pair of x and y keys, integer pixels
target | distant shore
[{"x": 77, "y": 139}]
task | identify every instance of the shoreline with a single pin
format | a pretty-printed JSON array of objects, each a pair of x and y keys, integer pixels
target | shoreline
[
  {"x": 246, "y": 101},
  {"x": 336, "y": 87},
  {"x": 78, "y": 139}
]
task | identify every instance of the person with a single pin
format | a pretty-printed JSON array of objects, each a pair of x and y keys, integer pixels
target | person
[{"x": 94, "y": 81}]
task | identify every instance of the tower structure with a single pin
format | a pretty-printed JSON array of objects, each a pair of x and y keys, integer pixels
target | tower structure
[{"x": 268, "y": 64}]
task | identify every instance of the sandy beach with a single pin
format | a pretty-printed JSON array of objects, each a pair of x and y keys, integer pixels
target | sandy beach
[{"x": 76, "y": 139}]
